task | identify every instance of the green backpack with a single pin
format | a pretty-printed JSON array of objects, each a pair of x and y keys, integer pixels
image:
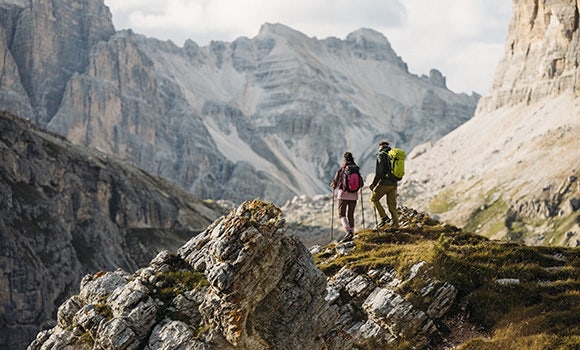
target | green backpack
[{"x": 397, "y": 158}]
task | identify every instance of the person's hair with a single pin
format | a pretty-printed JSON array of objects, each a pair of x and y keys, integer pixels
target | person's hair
[{"x": 348, "y": 157}]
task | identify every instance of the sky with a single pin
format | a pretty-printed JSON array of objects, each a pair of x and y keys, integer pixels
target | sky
[{"x": 463, "y": 39}]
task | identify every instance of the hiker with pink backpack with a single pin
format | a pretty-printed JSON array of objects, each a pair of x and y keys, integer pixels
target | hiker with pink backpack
[{"x": 348, "y": 181}]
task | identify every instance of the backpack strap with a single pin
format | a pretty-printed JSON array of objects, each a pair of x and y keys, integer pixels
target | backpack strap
[
  {"x": 341, "y": 176},
  {"x": 391, "y": 164}
]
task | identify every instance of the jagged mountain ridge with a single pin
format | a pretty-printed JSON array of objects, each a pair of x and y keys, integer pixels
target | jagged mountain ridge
[
  {"x": 512, "y": 171},
  {"x": 279, "y": 107},
  {"x": 67, "y": 211}
]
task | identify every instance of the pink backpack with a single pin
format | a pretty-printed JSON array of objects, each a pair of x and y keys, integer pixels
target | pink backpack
[{"x": 352, "y": 180}]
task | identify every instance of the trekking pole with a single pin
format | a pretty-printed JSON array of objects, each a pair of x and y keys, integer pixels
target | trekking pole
[
  {"x": 374, "y": 209},
  {"x": 362, "y": 209},
  {"x": 332, "y": 218}
]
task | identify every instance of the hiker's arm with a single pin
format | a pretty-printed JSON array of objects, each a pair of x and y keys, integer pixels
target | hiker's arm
[
  {"x": 380, "y": 170},
  {"x": 382, "y": 166},
  {"x": 334, "y": 182}
]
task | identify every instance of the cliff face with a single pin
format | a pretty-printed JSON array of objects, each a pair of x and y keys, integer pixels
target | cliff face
[
  {"x": 67, "y": 211},
  {"x": 49, "y": 41},
  {"x": 541, "y": 54},
  {"x": 279, "y": 109},
  {"x": 511, "y": 171}
]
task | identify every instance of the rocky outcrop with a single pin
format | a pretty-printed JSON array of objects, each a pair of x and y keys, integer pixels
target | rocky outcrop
[
  {"x": 67, "y": 211},
  {"x": 541, "y": 54},
  {"x": 257, "y": 289},
  {"x": 244, "y": 283},
  {"x": 264, "y": 288},
  {"x": 389, "y": 316},
  {"x": 210, "y": 118}
]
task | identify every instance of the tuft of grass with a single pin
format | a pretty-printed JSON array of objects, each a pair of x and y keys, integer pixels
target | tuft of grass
[
  {"x": 105, "y": 310},
  {"x": 169, "y": 284},
  {"x": 379, "y": 344},
  {"x": 549, "y": 284},
  {"x": 178, "y": 282},
  {"x": 87, "y": 340}
]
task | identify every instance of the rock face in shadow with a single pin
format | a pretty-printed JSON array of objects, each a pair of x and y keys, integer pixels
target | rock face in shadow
[{"x": 67, "y": 211}]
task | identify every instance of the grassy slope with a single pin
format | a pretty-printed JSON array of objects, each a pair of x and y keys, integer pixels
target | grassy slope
[{"x": 541, "y": 312}]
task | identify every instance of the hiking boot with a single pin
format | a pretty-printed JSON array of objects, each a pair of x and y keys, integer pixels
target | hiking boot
[
  {"x": 382, "y": 223},
  {"x": 347, "y": 237}
]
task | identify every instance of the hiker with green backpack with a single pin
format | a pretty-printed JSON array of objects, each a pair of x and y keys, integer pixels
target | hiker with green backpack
[{"x": 388, "y": 172}]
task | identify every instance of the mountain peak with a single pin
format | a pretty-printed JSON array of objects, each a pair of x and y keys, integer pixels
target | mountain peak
[
  {"x": 278, "y": 29},
  {"x": 368, "y": 35},
  {"x": 371, "y": 41}
]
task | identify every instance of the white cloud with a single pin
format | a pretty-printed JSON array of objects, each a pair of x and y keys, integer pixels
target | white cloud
[{"x": 463, "y": 39}]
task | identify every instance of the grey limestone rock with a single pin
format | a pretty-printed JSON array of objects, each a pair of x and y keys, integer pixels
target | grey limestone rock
[
  {"x": 389, "y": 316},
  {"x": 541, "y": 57},
  {"x": 263, "y": 292}
]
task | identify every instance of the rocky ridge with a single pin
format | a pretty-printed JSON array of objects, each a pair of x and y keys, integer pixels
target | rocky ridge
[
  {"x": 257, "y": 288},
  {"x": 244, "y": 283},
  {"x": 67, "y": 211}
]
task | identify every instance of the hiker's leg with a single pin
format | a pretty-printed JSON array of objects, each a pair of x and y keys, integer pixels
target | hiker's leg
[
  {"x": 375, "y": 199},
  {"x": 345, "y": 224},
  {"x": 392, "y": 204},
  {"x": 342, "y": 207},
  {"x": 350, "y": 213}
]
